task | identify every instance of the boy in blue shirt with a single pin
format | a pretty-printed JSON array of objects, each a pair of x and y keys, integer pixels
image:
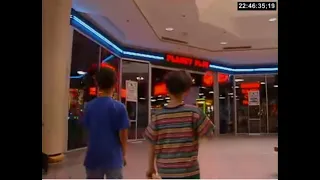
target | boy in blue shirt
[{"x": 107, "y": 123}]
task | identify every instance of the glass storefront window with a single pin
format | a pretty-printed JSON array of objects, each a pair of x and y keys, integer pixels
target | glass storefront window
[
  {"x": 226, "y": 106},
  {"x": 251, "y": 118},
  {"x": 85, "y": 53},
  {"x": 272, "y": 92},
  {"x": 138, "y": 112}
]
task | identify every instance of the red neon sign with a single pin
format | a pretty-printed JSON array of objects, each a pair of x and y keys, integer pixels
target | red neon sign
[
  {"x": 250, "y": 85},
  {"x": 92, "y": 91},
  {"x": 105, "y": 65},
  {"x": 208, "y": 79},
  {"x": 186, "y": 61},
  {"x": 160, "y": 89},
  {"x": 246, "y": 87}
]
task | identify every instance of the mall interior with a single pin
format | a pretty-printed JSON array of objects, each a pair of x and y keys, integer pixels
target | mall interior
[{"x": 239, "y": 97}]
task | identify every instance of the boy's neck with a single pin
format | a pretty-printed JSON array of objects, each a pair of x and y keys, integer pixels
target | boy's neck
[
  {"x": 105, "y": 93},
  {"x": 175, "y": 101}
]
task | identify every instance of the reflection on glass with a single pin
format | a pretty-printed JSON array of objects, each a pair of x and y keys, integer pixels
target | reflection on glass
[
  {"x": 132, "y": 133},
  {"x": 244, "y": 84},
  {"x": 85, "y": 53},
  {"x": 138, "y": 72},
  {"x": 272, "y": 89},
  {"x": 226, "y": 106},
  {"x": 132, "y": 108}
]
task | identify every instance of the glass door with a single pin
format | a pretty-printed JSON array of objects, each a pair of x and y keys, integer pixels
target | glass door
[
  {"x": 250, "y": 104},
  {"x": 135, "y": 95},
  {"x": 254, "y": 121}
]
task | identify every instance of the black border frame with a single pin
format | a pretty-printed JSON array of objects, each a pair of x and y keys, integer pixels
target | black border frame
[{"x": 297, "y": 114}]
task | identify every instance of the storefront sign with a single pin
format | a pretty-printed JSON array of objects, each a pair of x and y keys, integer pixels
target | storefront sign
[
  {"x": 131, "y": 91},
  {"x": 208, "y": 79},
  {"x": 246, "y": 87},
  {"x": 186, "y": 61},
  {"x": 254, "y": 98},
  {"x": 160, "y": 89},
  {"x": 92, "y": 91}
]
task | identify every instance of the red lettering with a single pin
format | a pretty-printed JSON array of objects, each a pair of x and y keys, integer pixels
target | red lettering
[
  {"x": 169, "y": 57},
  {"x": 201, "y": 64},
  {"x": 187, "y": 61},
  {"x": 197, "y": 63},
  {"x": 206, "y": 64}
]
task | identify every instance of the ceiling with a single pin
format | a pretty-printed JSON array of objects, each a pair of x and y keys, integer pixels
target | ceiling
[{"x": 199, "y": 27}]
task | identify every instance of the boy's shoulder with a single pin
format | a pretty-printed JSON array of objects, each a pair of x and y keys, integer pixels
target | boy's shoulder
[
  {"x": 111, "y": 102},
  {"x": 117, "y": 104},
  {"x": 184, "y": 108}
]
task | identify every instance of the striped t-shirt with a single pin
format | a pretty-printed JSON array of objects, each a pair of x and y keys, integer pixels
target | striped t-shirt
[{"x": 175, "y": 132}]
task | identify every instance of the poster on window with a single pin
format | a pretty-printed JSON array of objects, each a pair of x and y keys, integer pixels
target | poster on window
[
  {"x": 254, "y": 98},
  {"x": 131, "y": 91}
]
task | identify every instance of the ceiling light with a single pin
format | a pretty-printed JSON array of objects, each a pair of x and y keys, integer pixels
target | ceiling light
[
  {"x": 272, "y": 19},
  {"x": 239, "y": 80},
  {"x": 262, "y": 83},
  {"x": 139, "y": 78},
  {"x": 275, "y": 86},
  {"x": 223, "y": 43},
  {"x": 81, "y": 72},
  {"x": 210, "y": 92},
  {"x": 169, "y": 29}
]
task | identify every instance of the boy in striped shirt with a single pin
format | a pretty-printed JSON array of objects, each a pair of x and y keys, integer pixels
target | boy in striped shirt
[{"x": 174, "y": 133}]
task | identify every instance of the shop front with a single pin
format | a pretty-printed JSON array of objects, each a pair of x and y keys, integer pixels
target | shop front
[{"x": 221, "y": 92}]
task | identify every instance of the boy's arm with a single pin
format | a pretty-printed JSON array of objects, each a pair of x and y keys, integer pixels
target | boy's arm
[
  {"x": 151, "y": 135},
  {"x": 123, "y": 125},
  {"x": 204, "y": 126}
]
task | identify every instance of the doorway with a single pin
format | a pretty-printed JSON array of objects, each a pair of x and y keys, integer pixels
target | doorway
[
  {"x": 135, "y": 95},
  {"x": 251, "y": 108}
]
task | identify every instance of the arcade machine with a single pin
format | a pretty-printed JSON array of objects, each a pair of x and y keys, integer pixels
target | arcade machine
[{"x": 206, "y": 107}]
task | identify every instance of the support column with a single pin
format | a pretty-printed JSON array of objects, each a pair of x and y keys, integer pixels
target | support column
[
  {"x": 216, "y": 103},
  {"x": 56, "y": 62}
]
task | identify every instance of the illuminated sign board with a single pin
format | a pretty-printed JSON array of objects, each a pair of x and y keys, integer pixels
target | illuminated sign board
[
  {"x": 187, "y": 62},
  {"x": 208, "y": 79},
  {"x": 246, "y": 87}
]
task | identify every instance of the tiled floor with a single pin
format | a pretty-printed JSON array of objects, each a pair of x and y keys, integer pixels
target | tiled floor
[{"x": 249, "y": 157}]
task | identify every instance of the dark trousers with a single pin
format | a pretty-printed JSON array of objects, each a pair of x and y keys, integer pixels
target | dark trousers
[
  {"x": 189, "y": 177},
  {"x": 45, "y": 163},
  {"x": 101, "y": 173}
]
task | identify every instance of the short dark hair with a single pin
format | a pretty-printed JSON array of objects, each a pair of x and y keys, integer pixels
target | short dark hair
[
  {"x": 106, "y": 78},
  {"x": 178, "y": 82}
]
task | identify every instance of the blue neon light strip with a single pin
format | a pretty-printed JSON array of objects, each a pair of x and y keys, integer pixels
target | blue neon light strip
[
  {"x": 103, "y": 61},
  {"x": 154, "y": 57},
  {"x": 246, "y": 70}
]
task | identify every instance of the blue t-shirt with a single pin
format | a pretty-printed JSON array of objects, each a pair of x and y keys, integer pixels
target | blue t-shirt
[{"x": 104, "y": 118}]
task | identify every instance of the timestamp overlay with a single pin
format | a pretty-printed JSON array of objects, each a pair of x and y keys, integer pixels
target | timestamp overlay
[{"x": 257, "y": 6}]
